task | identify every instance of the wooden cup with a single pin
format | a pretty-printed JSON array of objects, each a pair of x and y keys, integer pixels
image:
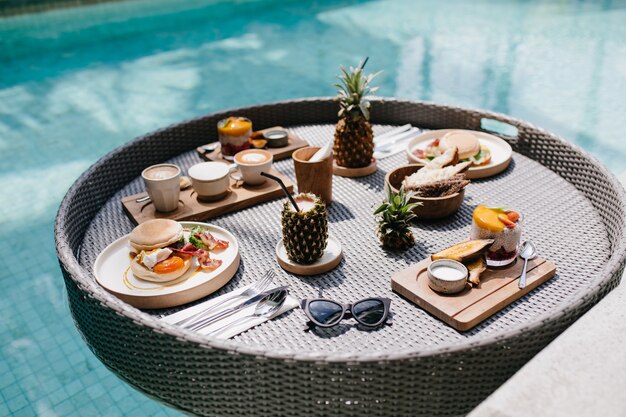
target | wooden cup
[{"x": 314, "y": 177}]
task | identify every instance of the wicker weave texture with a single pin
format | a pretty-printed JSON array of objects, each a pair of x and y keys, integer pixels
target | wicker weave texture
[{"x": 574, "y": 211}]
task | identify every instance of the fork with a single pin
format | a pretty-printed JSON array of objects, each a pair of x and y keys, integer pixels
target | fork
[{"x": 256, "y": 288}]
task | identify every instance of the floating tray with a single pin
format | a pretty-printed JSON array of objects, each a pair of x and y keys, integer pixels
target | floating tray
[
  {"x": 498, "y": 288},
  {"x": 190, "y": 208},
  {"x": 279, "y": 153}
]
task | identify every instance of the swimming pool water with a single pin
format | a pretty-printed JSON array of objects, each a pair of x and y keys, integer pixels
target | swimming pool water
[{"x": 76, "y": 83}]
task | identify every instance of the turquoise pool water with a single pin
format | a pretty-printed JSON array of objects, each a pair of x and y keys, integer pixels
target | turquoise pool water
[{"x": 76, "y": 83}]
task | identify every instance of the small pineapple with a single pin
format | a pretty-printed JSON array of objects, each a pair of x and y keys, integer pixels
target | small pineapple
[
  {"x": 354, "y": 139},
  {"x": 394, "y": 216},
  {"x": 305, "y": 233}
]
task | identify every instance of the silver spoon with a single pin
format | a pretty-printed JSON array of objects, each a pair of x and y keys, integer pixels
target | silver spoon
[
  {"x": 527, "y": 252},
  {"x": 211, "y": 147},
  {"x": 185, "y": 182},
  {"x": 269, "y": 305}
]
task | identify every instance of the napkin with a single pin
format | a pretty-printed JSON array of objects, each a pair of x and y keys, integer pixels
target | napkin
[
  {"x": 394, "y": 141},
  {"x": 242, "y": 317},
  {"x": 323, "y": 153}
]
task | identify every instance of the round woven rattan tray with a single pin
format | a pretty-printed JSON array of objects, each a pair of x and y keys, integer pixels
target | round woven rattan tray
[{"x": 575, "y": 213}]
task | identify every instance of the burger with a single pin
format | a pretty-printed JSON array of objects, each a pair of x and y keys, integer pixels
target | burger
[
  {"x": 152, "y": 250},
  {"x": 468, "y": 147},
  {"x": 466, "y": 143}
]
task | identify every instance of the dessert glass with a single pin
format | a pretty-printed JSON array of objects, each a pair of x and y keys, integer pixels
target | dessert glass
[
  {"x": 234, "y": 135},
  {"x": 506, "y": 236}
]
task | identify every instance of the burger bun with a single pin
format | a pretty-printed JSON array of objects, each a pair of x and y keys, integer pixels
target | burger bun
[
  {"x": 155, "y": 234},
  {"x": 466, "y": 143}
]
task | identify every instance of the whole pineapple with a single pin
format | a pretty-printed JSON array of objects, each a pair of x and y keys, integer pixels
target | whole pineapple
[
  {"x": 394, "y": 216},
  {"x": 305, "y": 233},
  {"x": 354, "y": 139}
]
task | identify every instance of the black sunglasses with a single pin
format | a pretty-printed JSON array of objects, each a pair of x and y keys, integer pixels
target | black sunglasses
[{"x": 370, "y": 312}]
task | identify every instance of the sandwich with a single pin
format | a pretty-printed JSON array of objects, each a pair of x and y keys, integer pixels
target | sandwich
[
  {"x": 467, "y": 145},
  {"x": 154, "y": 257}
]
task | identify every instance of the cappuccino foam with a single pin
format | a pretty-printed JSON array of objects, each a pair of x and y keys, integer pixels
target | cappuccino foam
[
  {"x": 161, "y": 173},
  {"x": 252, "y": 158}
]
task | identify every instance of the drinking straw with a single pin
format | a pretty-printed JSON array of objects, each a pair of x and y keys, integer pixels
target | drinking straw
[
  {"x": 364, "y": 62},
  {"x": 282, "y": 185}
]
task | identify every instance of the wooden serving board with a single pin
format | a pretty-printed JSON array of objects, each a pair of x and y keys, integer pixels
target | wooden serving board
[
  {"x": 190, "y": 208},
  {"x": 498, "y": 288},
  {"x": 294, "y": 143}
]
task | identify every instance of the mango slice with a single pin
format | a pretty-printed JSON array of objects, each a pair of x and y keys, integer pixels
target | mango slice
[{"x": 487, "y": 218}]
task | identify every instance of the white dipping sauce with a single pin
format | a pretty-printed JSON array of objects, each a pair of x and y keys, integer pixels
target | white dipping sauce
[{"x": 447, "y": 273}]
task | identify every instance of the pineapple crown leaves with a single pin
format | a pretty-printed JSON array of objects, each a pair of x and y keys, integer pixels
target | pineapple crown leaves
[
  {"x": 353, "y": 92},
  {"x": 396, "y": 211}
]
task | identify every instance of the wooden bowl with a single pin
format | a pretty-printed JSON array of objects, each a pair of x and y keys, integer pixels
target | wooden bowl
[{"x": 432, "y": 207}]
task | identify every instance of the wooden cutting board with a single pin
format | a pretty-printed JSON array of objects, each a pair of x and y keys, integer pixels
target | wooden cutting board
[
  {"x": 294, "y": 143},
  {"x": 239, "y": 196},
  {"x": 498, "y": 288}
]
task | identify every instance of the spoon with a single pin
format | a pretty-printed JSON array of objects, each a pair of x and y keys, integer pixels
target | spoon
[
  {"x": 266, "y": 307},
  {"x": 185, "y": 183},
  {"x": 527, "y": 252},
  {"x": 211, "y": 147}
]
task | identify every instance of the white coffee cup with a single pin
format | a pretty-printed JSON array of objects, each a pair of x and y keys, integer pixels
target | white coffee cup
[
  {"x": 250, "y": 163},
  {"x": 163, "y": 186},
  {"x": 210, "y": 180}
]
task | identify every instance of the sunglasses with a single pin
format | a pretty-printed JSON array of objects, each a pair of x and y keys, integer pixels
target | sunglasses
[{"x": 370, "y": 312}]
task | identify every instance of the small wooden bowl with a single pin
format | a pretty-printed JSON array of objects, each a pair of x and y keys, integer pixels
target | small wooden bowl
[{"x": 432, "y": 207}]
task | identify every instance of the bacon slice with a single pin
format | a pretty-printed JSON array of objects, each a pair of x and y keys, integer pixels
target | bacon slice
[
  {"x": 204, "y": 258},
  {"x": 211, "y": 242},
  {"x": 188, "y": 248},
  {"x": 419, "y": 153}
]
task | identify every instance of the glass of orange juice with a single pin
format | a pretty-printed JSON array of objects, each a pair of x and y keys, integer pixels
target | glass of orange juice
[{"x": 234, "y": 135}]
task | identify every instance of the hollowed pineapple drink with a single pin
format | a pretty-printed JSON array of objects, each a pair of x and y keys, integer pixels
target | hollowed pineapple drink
[
  {"x": 504, "y": 227},
  {"x": 234, "y": 135},
  {"x": 305, "y": 233}
]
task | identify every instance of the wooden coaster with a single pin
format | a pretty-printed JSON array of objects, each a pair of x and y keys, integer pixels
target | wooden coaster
[
  {"x": 498, "y": 288},
  {"x": 354, "y": 172},
  {"x": 329, "y": 260},
  {"x": 239, "y": 196},
  {"x": 294, "y": 143}
]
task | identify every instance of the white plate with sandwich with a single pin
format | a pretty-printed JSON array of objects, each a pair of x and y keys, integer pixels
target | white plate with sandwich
[
  {"x": 489, "y": 154},
  {"x": 163, "y": 263}
]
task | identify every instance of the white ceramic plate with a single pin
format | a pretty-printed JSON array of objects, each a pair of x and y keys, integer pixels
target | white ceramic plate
[
  {"x": 501, "y": 151},
  {"x": 112, "y": 271},
  {"x": 330, "y": 259}
]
